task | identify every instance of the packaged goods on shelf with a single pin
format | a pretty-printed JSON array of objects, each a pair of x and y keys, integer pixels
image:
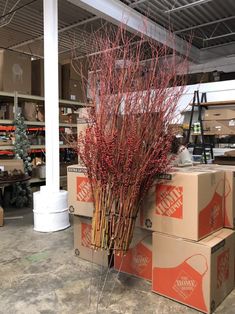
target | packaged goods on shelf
[
  {"x": 11, "y": 164},
  {"x": 82, "y": 243},
  {"x": 40, "y": 113},
  {"x": 187, "y": 203},
  {"x": 219, "y": 114},
  {"x": 198, "y": 274},
  {"x": 15, "y": 72},
  {"x": 138, "y": 259},
  {"x": 80, "y": 199},
  {"x": 29, "y": 111},
  {"x": 220, "y": 127},
  {"x": 7, "y": 110}
]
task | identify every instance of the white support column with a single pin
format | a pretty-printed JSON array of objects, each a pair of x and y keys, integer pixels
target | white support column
[
  {"x": 50, "y": 204},
  {"x": 51, "y": 88}
]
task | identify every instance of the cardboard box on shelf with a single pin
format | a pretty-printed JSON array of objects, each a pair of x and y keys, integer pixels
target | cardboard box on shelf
[
  {"x": 220, "y": 127},
  {"x": 73, "y": 90},
  {"x": 71, "y": 71},
  {"x": 15, "y": 72},
  {"x": 72, "y": 82},
  {"x": 82, "y": 243},
  {"x": 80, "y": 199},
  {"x": 29, "y": 111},
  {"x": 219, "y": 114},
  {"x": 7, "y": 110},
  {"x": 198, "y": 274},
  {"x": 188, "y": 205},
  {"x": 68, "y": 118},
  {"x": 1, "y": 216},
  {"x": 138, "y": 259},
  {"x": 11, "y": 164},
  {"x": 5, "y": 142},
  {"x": 37, "y": 78}
]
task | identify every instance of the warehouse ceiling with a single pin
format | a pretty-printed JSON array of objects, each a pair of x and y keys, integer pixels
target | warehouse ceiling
[{"x": 209, "y": 23}]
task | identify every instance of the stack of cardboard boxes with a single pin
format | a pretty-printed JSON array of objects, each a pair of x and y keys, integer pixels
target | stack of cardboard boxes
[
  {"x": 180, "y": 241},
  {"x": 193, "y": 256}
]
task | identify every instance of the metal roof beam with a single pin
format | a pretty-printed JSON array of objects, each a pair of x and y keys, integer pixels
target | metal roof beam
[
  {"x": 64, "y": 29},
  {"x": 134, "y": 4},
  {"x": 116, "y": 12},
  {"x": 186, "y": 6},
  {"x": 219, "y": 36},
  {"x": 204, "y": 24}
]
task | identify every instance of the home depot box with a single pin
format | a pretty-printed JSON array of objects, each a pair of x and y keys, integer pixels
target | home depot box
[
  {"x": 1, "y": 216},
  {"x": 188, "y": 205},
  {"x": 15, "y": 72},
  {"x": 82, "y": 243},
  {"x": 11, "y": 164},
  {"x": 198, "y": 274},
  {"x": 219, "y": 114},
  {"x": 80, "y": 198},
  {"x": 229, "y": 192},
  {"x": 220, "y": 127},
  {"x": 37, "y": 78},
  {"x": 138, "y": 259}
]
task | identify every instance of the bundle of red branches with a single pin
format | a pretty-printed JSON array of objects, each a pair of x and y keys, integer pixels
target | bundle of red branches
[{"x": 128, "y": 139}]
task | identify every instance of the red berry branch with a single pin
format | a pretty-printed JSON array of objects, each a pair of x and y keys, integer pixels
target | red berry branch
[{"x": 129, "y": 131}]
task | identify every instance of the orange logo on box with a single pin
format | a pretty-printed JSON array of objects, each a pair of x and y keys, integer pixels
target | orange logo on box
[
  {"x": 86, "y": 235},
  {"x": 137, "y": 261},
  {"x": 222, "y": 268},
  {"x": 184, "y": 284},
  {"x": 169, "y": 201},
  {"x": 84, "y": 192}
]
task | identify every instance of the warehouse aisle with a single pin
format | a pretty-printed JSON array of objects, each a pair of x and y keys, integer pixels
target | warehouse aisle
[{"x": 39, "y": 273}]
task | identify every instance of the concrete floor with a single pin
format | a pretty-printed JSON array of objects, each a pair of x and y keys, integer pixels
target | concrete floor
[{"x": 39, "y": 273}]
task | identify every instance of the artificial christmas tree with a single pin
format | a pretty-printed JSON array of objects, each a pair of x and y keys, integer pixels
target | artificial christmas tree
[{"x": 21, "y": 194}]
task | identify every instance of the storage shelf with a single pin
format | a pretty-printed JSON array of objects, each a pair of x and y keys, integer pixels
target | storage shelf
[
  {"x": 38, "y": 123},
  {"x": 11, "y": 147},
  {"x": 6, "y": 122},
  {"x": 30, "y": 97},
  {"x": 217, "y": 103}
]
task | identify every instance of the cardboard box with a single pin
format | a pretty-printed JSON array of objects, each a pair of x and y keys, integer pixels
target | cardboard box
[
  {"x": 37, "y": 78},
  {"x": 138, "y": 259},
  {"x": 72, "y": 82},
  {"x": 29, "y": 111},
  {"x": 11, "y": 164},
  {"x": 188, "y": 205},
  {"x": 1, "y": 216},
  {"x": 222, "y": 127},
  {"x": 15, "y": 72},
  {"x": 229, "y": 192},
  {"x": 219, "y": 114},
  {"x": 80, "y": 199},
  {"x": 82, "y": 243},
  {"x": 73, "y": 90},
  {"x": 7, "y": 111},
  {"x": 198, "y": 274}
]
